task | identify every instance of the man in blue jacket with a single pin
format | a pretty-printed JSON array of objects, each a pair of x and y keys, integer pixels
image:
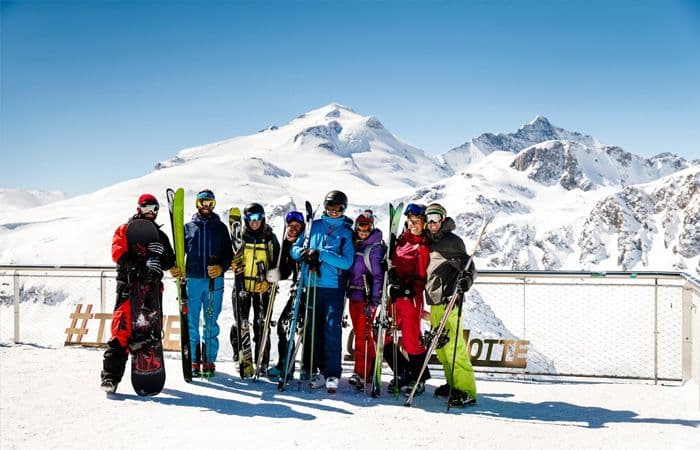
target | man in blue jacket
[
  {"x": 328, "y": 258},
  {"x": 209, "y": 254}
]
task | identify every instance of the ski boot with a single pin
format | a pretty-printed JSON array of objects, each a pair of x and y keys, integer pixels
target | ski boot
[
  {"x": 420, "y": 388},
  {"x": 208, "y": 370},
  {"x": 196, "y": 373},
  {"x": 109, "y": 386},
  {"x": 331, "y": 384},
  {"x": 460, "y": 399},
  {"x": 356, "y": 381}
]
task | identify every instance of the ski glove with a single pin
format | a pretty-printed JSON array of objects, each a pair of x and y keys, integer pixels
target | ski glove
[
  {"x": 309, "y": 255},
  {"x": 273, "y": 275},
  {"x": 399, "y": 290},
  {"x": 175, "y": 272},
  {"x": 464, "y": 283},
  {"x": 214, "y": 271},
  {"x": 155, "y": 249},
  {"x": 153, "y": 265}
]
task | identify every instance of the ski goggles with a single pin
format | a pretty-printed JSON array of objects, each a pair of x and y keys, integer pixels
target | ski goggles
[
  {"x": 149, "y": 208},
  {"x": 434, "y": 217},
  {"x": 335, "y": 207},
  {"x": 254, "y": 217},
  {"x": 367, "y": 227},
  {"x": 206, "y": 203},
  {"x": 414, "y": 210}
]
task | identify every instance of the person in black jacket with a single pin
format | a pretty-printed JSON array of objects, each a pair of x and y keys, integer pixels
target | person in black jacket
[{"x": 209, "y": 254}]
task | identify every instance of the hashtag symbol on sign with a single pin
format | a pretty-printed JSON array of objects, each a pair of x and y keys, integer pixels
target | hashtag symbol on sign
[{"x": 83, "y": 330}]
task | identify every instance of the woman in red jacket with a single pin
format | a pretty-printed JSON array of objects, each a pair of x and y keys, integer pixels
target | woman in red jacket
[{"x": 406, "y": 283}]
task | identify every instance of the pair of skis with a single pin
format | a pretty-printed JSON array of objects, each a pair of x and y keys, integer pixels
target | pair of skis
[
  {"x": 176, "y": 206},
  {"x": 240, "y": 331},
  {"x": 292, "y": 346},
  {"x": 394, "y": 222}
]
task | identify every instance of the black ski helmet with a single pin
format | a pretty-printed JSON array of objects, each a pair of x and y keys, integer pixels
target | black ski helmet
[
  {"x": 254, "y": 210},
  {"x": 336, "y": 198}
]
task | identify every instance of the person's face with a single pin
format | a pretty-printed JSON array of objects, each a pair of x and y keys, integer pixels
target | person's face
[
  {"x": 205, "y": 207},
  {"x": 435, "y": 222},
  {"x": 334, "y": 210},
  {"x": 148, "y": 211},
  {"x": 415, "y": 224},
  {"x": 255, "y": 224},
  {"x": 293, "y": 230}
]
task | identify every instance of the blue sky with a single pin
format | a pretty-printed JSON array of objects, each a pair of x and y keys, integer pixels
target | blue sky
[{"x": 93, "y": 93}]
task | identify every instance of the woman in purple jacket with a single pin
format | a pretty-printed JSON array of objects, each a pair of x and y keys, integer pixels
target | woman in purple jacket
[{"x": 365, "y": 293}]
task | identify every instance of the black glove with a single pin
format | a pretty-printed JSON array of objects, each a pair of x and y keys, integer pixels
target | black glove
[
  {"x": 155, "y": 249},
  {"x": 153, "y": 266},
  {"x": 400, "y": 290},
  {"x": 464, "y": 283},
  {"x": 391, "y": 276},
  {"x": 308, "y": 255}
]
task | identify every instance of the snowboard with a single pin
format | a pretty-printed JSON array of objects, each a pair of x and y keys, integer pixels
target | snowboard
[
  {"x": 240, "y": 330},
  {"x": 176, "y": 205},
  {"x": 145, "y": 343}
]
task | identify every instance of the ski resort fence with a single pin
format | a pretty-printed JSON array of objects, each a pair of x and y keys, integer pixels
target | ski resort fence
[{"x": 642, "y": 325}]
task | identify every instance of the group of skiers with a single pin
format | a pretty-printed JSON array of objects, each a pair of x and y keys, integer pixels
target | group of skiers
[{"x": 339, "y": 259}]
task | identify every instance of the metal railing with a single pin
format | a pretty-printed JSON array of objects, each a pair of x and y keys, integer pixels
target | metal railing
[{"x": 608, "y": 324}]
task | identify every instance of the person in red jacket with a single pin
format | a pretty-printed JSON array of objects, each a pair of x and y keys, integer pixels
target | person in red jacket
[
  {"x": 406, "y": 283},
  {"x": 160, "y": 257}
]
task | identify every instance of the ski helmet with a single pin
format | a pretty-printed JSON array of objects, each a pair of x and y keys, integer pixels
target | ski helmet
[
  {"x": 147, "y": 203},
  {"x": 294, "y": 216},
  {"x": 336, "y": 198},
  {"x": 365, "y": 221},
  {"x": 254, "y": 211},
  {"x": 434, "y": 210},
  {"x": 414, "y": 209}
]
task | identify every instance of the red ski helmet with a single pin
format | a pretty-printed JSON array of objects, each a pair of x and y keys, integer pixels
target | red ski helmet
[{"x": 147, "y": 203}]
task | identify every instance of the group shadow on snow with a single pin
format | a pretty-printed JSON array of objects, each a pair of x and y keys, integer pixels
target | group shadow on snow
[
  {"x": 569, "y": 414},
  {"x": 269, "y": 402}
]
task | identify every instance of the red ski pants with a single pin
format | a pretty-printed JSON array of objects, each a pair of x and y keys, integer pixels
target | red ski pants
[
  {"x": 360, "y": 325},
  {"x": 408, "y": 317}
]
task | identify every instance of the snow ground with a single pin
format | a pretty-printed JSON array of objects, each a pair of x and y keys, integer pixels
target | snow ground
[{"x": 49, "y": 398}]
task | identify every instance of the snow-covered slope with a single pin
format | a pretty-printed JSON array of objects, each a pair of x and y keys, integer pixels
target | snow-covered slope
[
  {"x": 15, "y": 199},
  {"x": 328, "y": 148},
  {"x": 564, "y": 201}
]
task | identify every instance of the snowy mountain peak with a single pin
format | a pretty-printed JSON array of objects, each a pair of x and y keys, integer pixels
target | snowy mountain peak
[
  {"x": 539, "y": 123},
  {"x": 538, "y": 131}
]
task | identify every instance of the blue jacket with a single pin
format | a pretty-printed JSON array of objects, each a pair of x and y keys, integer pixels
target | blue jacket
[
  {"x": 333, "y": 240},
  {"x": 206, "y": 240}
]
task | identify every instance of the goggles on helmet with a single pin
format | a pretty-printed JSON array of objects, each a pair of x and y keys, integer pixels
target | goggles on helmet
[
  {"x": 414, "y": 210},
  {"x": 363, "y": 226},
  {"x": 149, "y": 208},
  {"x": 434, "y": 217},
  {"x": 254, "y": 217},
  {"x": 335, "y": 207}
]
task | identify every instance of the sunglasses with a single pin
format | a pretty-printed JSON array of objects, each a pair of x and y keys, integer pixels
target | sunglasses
[
  {"x": 206, "y": 203},
  {"x": 434, "y": 218},
  {"x": 255, "y": 217},
  {"x": 335, "y": 208},
  {"x": 149, "y": 208}
]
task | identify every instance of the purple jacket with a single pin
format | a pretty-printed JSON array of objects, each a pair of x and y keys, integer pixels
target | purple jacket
[{"x": 356, "y": 284}]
